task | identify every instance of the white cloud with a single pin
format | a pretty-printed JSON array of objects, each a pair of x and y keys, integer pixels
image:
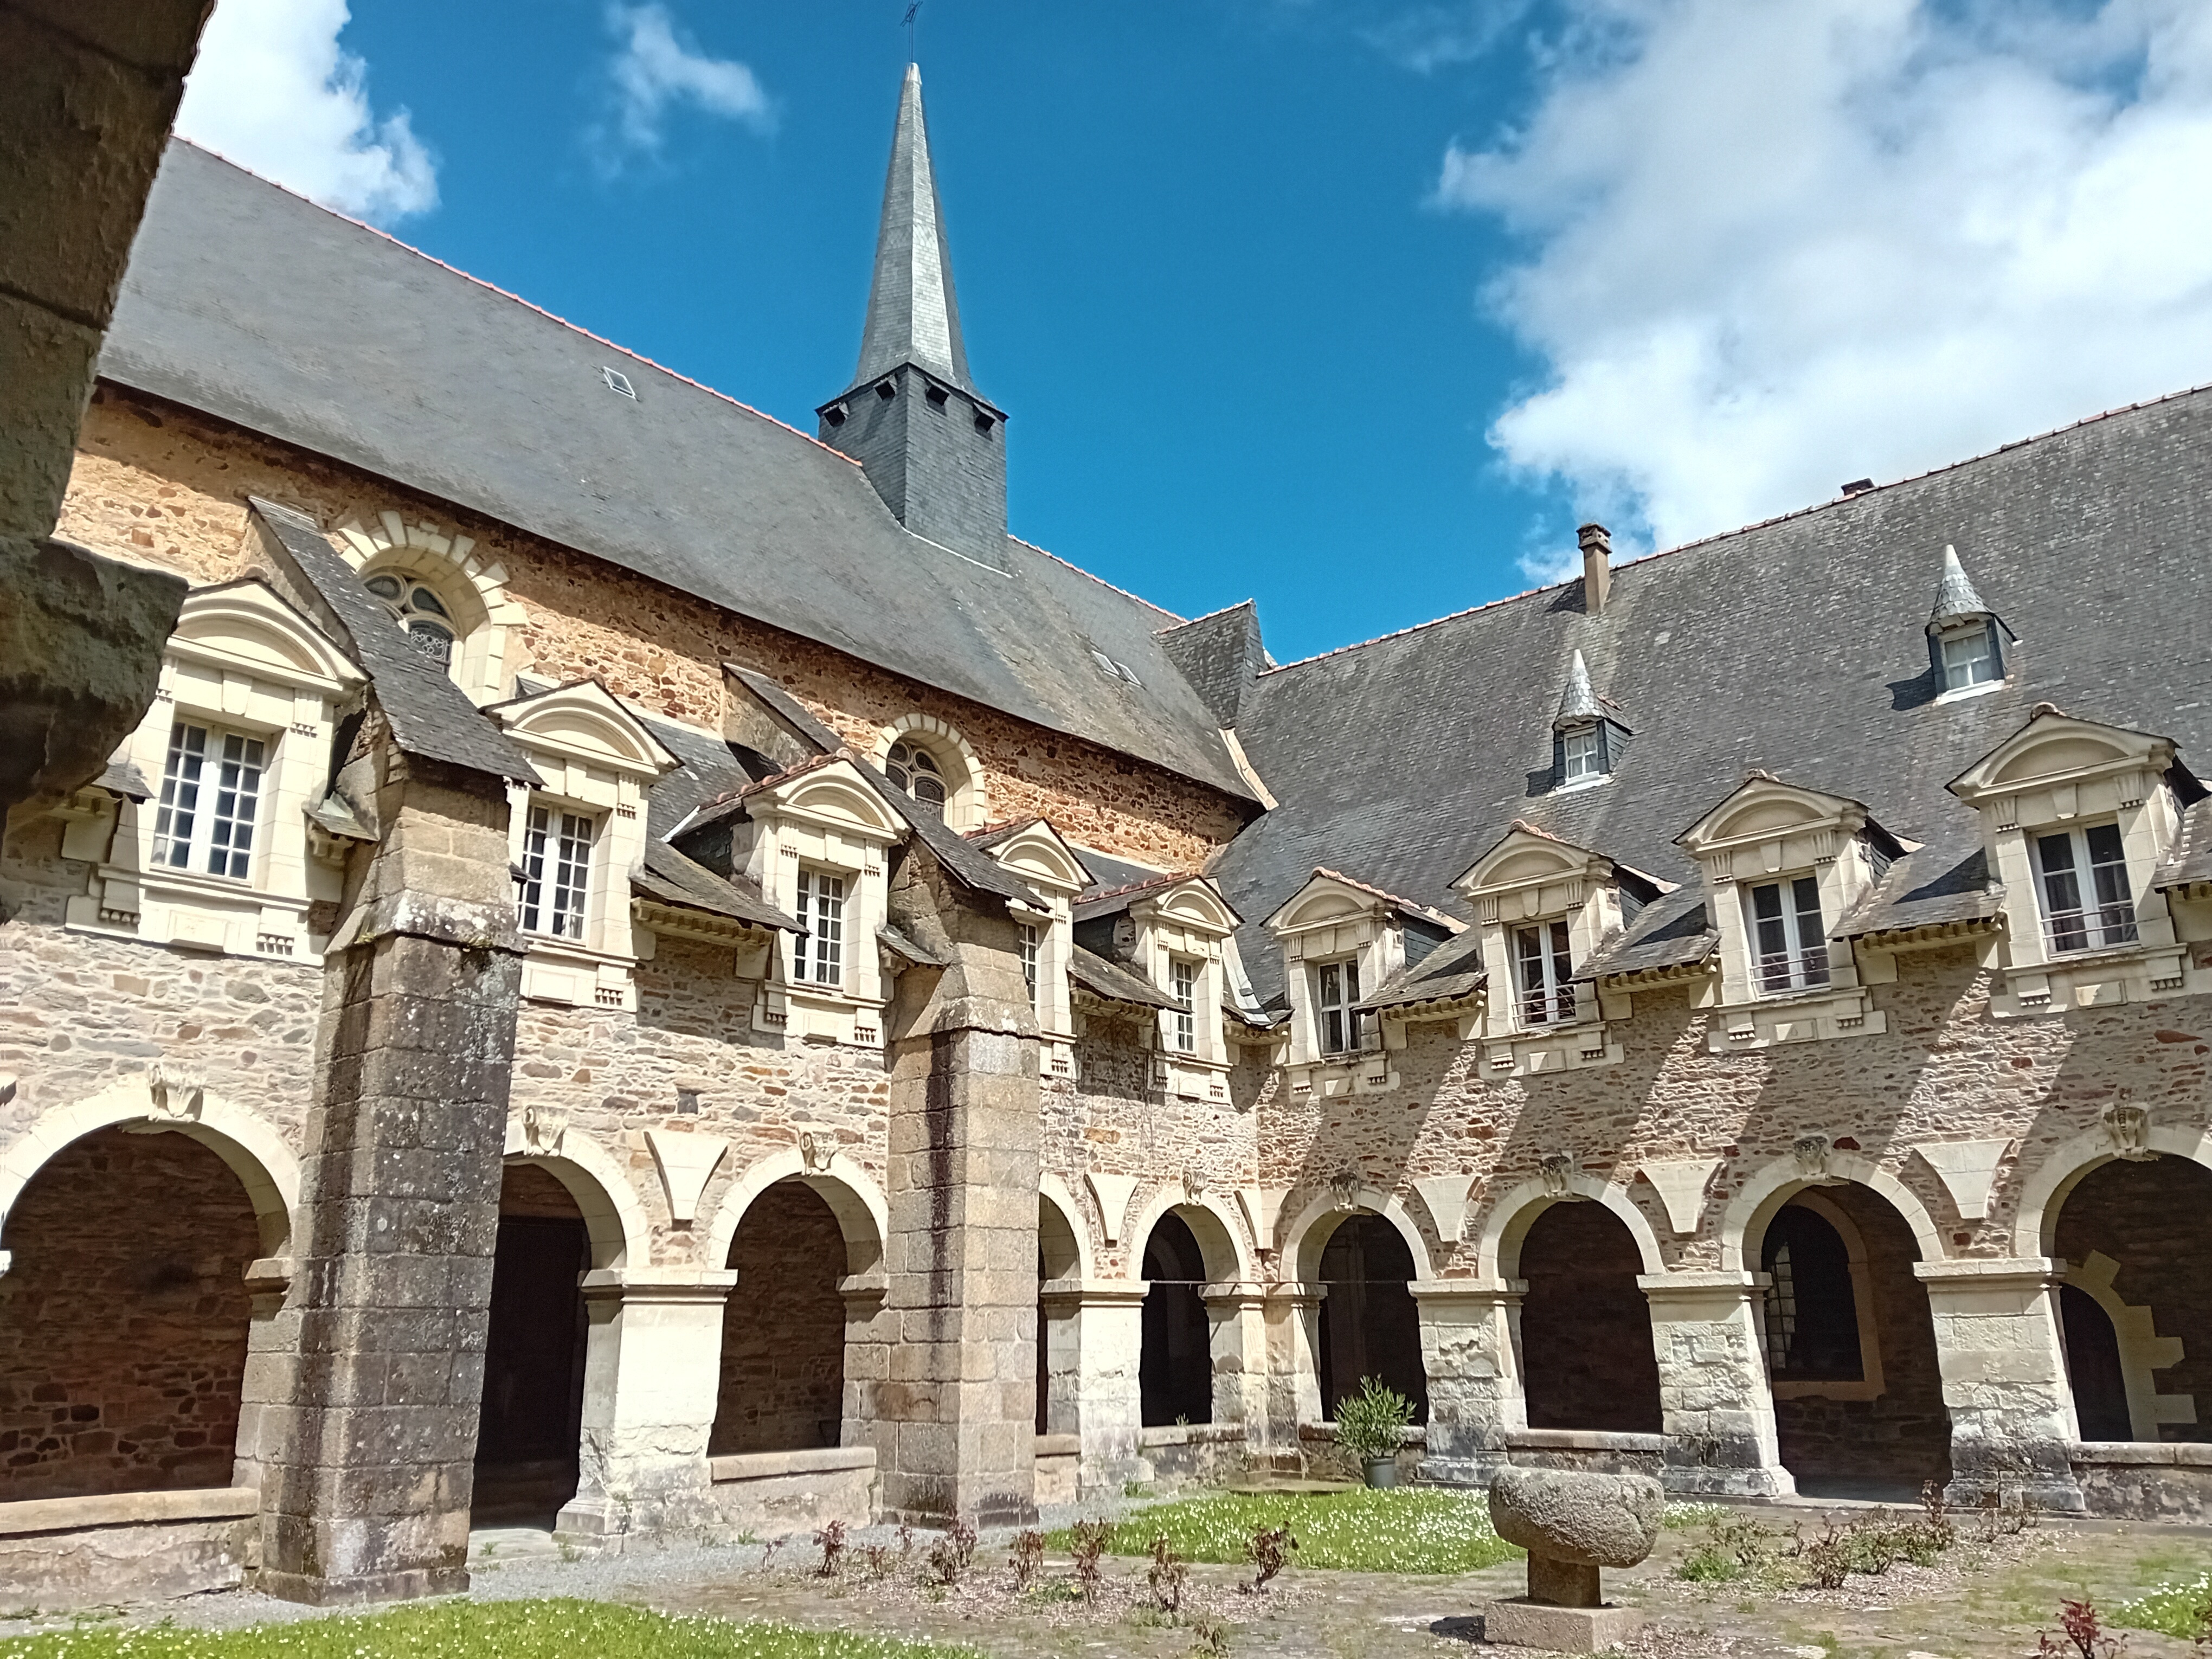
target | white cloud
[
  {"x": 1772, "y": 247},
  {"x": 273, "y": 91},
  {"x": 1434, "y": 35},
  {"x": 657, "y": 68}
]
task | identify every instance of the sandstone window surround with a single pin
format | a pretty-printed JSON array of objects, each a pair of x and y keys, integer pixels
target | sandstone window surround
[
  {"x": 2077, "y": 817},
  {"x": 1343, "y": 940},
  {"x": 1543, "y": 906},
  {"x": 1782, "y": 979},
  {"x": 822, "y": 819},
  {"x": 936, "y": 766},
  {"x": 1054, "y": 870},
  {"x": 490, "y": 644},
  {"x": 246, "y": 672},
  {"x": 597, "y": 760},
  {"x": 1187, "y": 921}
]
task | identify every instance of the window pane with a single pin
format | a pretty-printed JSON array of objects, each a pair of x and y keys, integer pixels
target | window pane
[
  {"x": 799, "y": 942},
  {"x": 571, "y": 871},
  {"x": 1812, "y": 936},
  {"x": 2062, "y": 892},
  {"x": 385, "y": 587},
  {"x": 1182, "y": 977},
  {"x": 181, "y": 796},
  {"x": 423, "y": 599},
  {"x": 1028, "y": 948},
  {"x": 534, "y": 834},
  {"x": 1580, "y": 748},
  {"x": 238, "y": 793},
  {"x": 829, "y": 929},
  {"x": 433, "y": 641},
  {"x": 1967, "y": 660}
]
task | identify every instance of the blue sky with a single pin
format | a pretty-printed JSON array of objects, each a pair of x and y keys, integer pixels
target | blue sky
[{"x": 1353, "y": 307}]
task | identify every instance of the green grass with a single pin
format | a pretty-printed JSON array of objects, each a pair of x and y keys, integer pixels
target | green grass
[
  {"x": 2177, "y": 1609},
  {"x": 1408, "y": 1530},
  {"x": 482, "y": 1630}
]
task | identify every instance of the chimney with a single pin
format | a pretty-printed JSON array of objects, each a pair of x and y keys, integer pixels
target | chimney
[{"x": 1597, "y": 566}]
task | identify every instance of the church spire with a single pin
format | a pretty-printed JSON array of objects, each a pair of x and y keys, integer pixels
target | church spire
[{"x": 913, "y": 314}]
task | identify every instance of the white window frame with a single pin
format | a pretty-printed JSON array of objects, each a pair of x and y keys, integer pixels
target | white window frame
[
  {"x": 1987, "y": 660},
  {"x": 1802, "y": 963},
  {"x": 203, "y": 786},
  {"x": 1185, "y": 976},
  {"x": 817, "y": 956},
  {"x": 2108, "y": 922},
  {"x": 1547, "y": 995},
  {"x": 1338, "y": 1003},
  {"x": 556, "y": 890},
  {"x": 1029, "y": 942},
  {"x": 1582, "y": 756}
]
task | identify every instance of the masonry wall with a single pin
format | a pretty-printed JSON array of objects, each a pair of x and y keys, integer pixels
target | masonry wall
[
  {"x": 783, "y": 1328},
  {"x": 1585, "y": 1330},
  {"x": 167, "y": 486},
  {"x": 2155, "y": 1218},
  {"x": 123, "y": 1320}
]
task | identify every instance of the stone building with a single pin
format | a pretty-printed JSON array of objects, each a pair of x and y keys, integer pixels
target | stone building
[{"x": 652, "y": 971}]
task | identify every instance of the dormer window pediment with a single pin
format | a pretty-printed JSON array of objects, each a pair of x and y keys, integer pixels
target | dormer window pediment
[{"x": 1342, "y": 938}]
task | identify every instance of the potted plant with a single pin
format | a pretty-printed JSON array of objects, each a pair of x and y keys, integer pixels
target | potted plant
[{"x": 1370, "y": 1424}]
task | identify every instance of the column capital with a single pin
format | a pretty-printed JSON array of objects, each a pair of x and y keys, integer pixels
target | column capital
[
  {"x": 1470, "y": 1290},
  {"x": 642, "y": 1284},
  {"x": 2001, "y": 1272},
  {"x": 1093, "y": 1292}
]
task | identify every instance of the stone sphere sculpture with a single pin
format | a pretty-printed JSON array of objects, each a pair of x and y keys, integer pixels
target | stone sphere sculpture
[{"x": 1571, "y": 1523}]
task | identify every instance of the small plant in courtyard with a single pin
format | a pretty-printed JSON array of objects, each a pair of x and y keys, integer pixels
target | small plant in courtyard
[
  {"x": 876, "y": 1562},
  {"x": 1027, "y": 1559},
  {"x": 905, "y": 1542},
  {"x": 1936, "y": 1514},
  {"x": 1734, "y": 1548},
  {"x": 2182, "y": 1610},
  {"x": 2084, "y": 1632},
  {"x": 830, "y": 1540},
  {"x": 1371, "y": 1423},
  {"x": 951, "y": 1556},
  {"x": 1210, "y": 1639},
  {"x": 1270, "y": 1552},
  {"x": 1166, "y": 1575},
  {"x": 1088, "y": 1547},
  {"x": 2005, "y": 1517}
]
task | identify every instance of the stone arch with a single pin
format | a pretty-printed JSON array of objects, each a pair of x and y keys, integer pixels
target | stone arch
[
  {"x": 1743, "y": 1227},
  {"x": 1499, "y": 1249},
  {"x": 1221, "y": 1238},
  {"x": 253, "y": 1147},
  {"x": 493, "y": 647},
  {"x": 622, "y": 1235},
  {"x": 864, "y": 1215},
  {"x": 2044, "y": 1194},
  {"x": 1307, "y": 1235},
  {"x": 967, "y": 805},
  {"x": 1054, "y": 1192}
]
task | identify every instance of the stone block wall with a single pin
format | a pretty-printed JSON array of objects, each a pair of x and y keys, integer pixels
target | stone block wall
[
  {"x": 123, "y": 1320},
  {"x": 783, "y": 1329},
  {"x": 2154, "y": 1219}
]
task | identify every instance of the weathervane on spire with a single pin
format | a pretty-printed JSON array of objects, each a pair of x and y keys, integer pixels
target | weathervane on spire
[{"x": 912, "y": 12}]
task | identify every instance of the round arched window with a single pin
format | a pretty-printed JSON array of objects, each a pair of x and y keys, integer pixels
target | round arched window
[
  {"x": 419, "y": 611},
  {"x": 916, "y": 770}
]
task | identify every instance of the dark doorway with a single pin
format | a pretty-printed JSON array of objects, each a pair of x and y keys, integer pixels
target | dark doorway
[
  {"x": 533, "y": 1390},
  {"x": 1370, "y": 1326},
  {"x": 1812, "y": 1309},
  {"x": 1175, "y": 1375},
  {"x": 1586, "y": 1356},
  {"x": 783, "y": 1327},
  {"x": 2093, "y": 1368},
  {"x": 124, "y": 1319}
]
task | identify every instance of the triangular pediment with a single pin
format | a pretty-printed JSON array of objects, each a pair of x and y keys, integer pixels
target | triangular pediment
[{"x": 2056, "y": 748}]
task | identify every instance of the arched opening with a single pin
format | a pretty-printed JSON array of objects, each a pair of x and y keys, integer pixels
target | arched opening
[
  {"x": 532, "y": 1420},
  {"x": 1175, "y": 1372},
  {"x": 1587, "y": 1360},
  {"x": 1370, "y": 1326},
  {"x": 123, "y": 1317},
  {"x": 1851, "y": 1346},
  {"x": 783, "y": 1327},
  {"x": 2136, "y": 1307},
  {"x": 1057, "y": 1381}
]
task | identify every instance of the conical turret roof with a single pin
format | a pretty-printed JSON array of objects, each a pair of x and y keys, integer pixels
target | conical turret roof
[
  {"x": 913, "y": 314},
  {"x": 1578, "y": 702},
  {"x": 1955, "y": 595}
]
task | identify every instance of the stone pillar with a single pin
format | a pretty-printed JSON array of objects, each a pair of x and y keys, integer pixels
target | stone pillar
[
  {"x": 1717, "y": 1410},
  {"x": 1470, "y": 1341},
  {"x": 368, "y": 1465},
  {"x": 2004, "y": 1379},
  {"x": 1293, "y": 1370},
  {"x": 653, "y": 1370},
  {"x": 272, "y": 1344},
  {"x": 870, "y": 1335},
  {"x": 1106, "y": 1319},
  {"x": 1236, "y": 1314},
  {"x": 965, "y": 1111}
]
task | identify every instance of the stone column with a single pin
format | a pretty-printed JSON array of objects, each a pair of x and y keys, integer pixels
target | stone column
[
  {"x": 369, "y": 1464},
  {"x": 2004, "y": 1379},
  {"x": 653, "y": 1370},
  {"x": 1106, "y": 1316},
  {"x": 1470, "y": 1341},
  {"x": 1716, "y": 1409},
  {"x": 870, "y": 1335},
  {"x": 1236, "y": 1313},
  {"x": 1293, "y": 1370},
  {"x": 272, "y": 1343},
  {"x": 962, "y": 1256}
]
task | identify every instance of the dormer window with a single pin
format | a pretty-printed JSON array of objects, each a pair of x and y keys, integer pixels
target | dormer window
[
  {"x": 1962, "y": 633},
  {"x": 422, "y": 613},
  {"x": 557, "y": 865},
  {"x": 1585, "y": 743},
  {"x": 916, "y": 772},
  {"x": 1582, "y": 757},
  {"x": 1543, "y": 962},
  {"x": 1336, "y": 996},
  {"x": 1790, "y": 946},
  {"x": 2082, "y": 875},
  {"x": 210, "y": 792}
]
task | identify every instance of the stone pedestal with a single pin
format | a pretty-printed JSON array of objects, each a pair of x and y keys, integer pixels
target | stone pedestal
[
  {"x": 367, "y": 1472},
  {"x": 1468, "y": 1345},
  {"x": 652, "y": 1373},
  {"x": 1716, "y": 1409},
  {"x": 2004, "y": 1379},
  {"x": 1526, "y": 1623}
]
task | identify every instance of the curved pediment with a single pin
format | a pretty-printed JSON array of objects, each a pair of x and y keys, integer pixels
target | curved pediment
[
  {"x": 2062, "y": 754},
  {"x": 2054, "y": 748},
  {"x": 1528, "y": 857},
  {"x": 1765, "y": 808},
  {"x": 584, "y": 721},
  {"x": 1196, "y": 904},
  {"x": 840, "y": 795},
  {"x": 1039, "y": 853},
  {"x": 247, "y": 625}
]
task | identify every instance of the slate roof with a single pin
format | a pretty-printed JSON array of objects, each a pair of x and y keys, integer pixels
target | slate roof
[
  {"x": 1113, "y": 981},
  {"x": 670, "y": 877},
  {"x": 1454, "y": 969},
  {"x": 2190, "y": 859},
  {"x": 1798, "y": 646},
  {"x": 429, "y": 715},
  {"x": 1220, "y": 655},
  {"x": 254, "y": 306}
]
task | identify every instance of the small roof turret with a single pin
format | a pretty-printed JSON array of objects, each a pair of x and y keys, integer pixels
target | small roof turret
[
  {"x": 1955, "y": 597},
  {"x": 1578, "y": 703}
]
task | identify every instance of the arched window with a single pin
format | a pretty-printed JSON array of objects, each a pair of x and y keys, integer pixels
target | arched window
[
  {"x": 1812, "y": 1310},
  {"x": 916, "y": 770},
  {"x": 428, "y": 624}
]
